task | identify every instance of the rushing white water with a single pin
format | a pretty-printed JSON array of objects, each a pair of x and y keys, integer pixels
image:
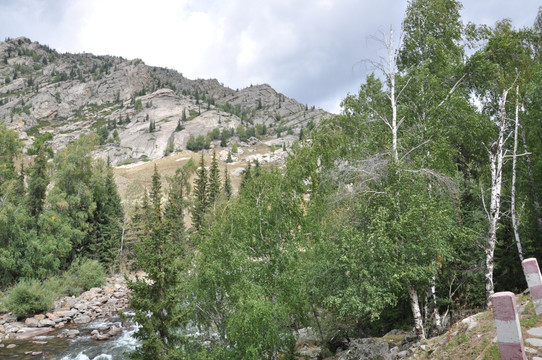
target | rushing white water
[{"x": 85, "y": 348}]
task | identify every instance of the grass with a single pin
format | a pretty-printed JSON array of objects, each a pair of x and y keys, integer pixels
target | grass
[
  {"x": 529, "y": 322},
  {"x": 492, "y": 353}
]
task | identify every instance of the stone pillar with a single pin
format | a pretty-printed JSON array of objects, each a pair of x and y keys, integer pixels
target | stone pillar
[
  {"x": 508, "y": 328},
  {"x": 534, "y": 281}
]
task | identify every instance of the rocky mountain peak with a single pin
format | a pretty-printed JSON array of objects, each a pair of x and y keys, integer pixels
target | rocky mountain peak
[{"x": 138, "y": 111}]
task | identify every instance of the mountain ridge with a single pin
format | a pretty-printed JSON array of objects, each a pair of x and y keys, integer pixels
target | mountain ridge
[{"x": 138, "y": 110}]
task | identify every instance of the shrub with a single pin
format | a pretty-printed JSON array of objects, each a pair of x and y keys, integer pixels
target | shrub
[
  {"x": 83, "y": 275},
  {"x": 28, "y": 297}
]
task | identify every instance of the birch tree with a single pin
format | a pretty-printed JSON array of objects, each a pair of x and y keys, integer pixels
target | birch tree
[
  {"x": 498, "y": 65},
  {"x": 514, "y": 176}
]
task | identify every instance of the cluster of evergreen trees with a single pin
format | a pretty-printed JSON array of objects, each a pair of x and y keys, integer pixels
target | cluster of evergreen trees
[{"x": 55, "y": 212}]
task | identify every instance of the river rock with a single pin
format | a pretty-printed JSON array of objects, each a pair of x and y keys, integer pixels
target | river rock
[
  {"x": 13, "y": 327},
  {"x": 82, "y": 319},
  {"x": 66, "y": 303},
  {"x": 31, "y": 322},
  {"x": 60, "y": 325},
  {"x": 72, "y": 333},
  {"x": 81, "y": 306},
  {"x": 7, "y": 318},
  {"x": 114, "y": 330},
  {"x": 27, "y": 333},
  {"x": 46, "y": 323},
  {"x": 66, "y": 314},
  {"x": 53, "y": 317},
  {"x": 11, "y": 346}
]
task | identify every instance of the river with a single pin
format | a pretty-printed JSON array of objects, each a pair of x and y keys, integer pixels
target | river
[{"x": 83, "y": 347}]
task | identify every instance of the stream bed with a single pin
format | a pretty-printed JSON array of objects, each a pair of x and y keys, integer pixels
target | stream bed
[{"x": 82, "y": 347}]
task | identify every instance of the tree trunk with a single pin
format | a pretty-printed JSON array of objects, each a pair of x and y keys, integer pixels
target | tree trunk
[
  {"x": 436, "y": 313},
  {"x": 430, "y": 306},
  {"x": 415, "y": 306},
  {"x": 496, "y": 159},
  {"x": 393, "y": 100},
  {"x": 513, "y": 194}
]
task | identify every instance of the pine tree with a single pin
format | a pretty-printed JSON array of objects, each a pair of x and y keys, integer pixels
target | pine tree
[
  {"x": 155, "y": 299},
  {"x": 214, "y": 180},
  {"x": 200, "y": 195},
  {"x": 247, "y": 175},
  {"x": 227, "y": 183},
  {"x": 179, "y": 190},
  {"x": 37, "y": 184},
  {"x": 257, "y": 168},
  {"x": 19, "y": 189},
  {"x": 108, "y": 217},
  {"x": 156, "y": 191},
  {"x": 179, "y": 126}
]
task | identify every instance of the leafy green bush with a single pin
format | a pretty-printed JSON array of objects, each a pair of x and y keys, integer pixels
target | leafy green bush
[
  {"x": 28, "y": 297},
  {"x": 83, "y": 275}
]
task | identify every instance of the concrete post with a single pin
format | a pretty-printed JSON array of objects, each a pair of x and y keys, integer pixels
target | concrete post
[
  {"x": 534, "y": 281},
  {"x": 508, "y": 328}
]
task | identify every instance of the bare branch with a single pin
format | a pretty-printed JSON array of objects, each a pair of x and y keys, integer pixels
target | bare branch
[
  {"x": 415, "y": 148},
  {"x": 452, "y": 90}
]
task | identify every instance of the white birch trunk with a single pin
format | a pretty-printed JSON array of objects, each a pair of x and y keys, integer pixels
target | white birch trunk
[
  {"x": 415, "y": 306},
  {"x": 496, "y": 159},
  {"x": 393, "y": 100},
  {"x": 436, "y": 313},
  {"x": 430, "y": 306},
  {"x": 513, "y": 191}
]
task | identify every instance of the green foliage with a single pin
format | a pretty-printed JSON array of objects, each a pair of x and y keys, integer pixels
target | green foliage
[
  {"x": 227, "y": 182},
  {"x": 198, "y": 143},
  {"x": 28, "y": 297},
  {"x": 158, "y": 299},
  {"x": 179, "y": 126},
  {"x": 82, "y": 275},
  {"x": 169, "y": 148},
  {"x": 247, "y": 282},
  {"x": 103, "y": 134},
  {"x": 241, "y": 132},
  {"x": 201, "y": 195},
  {"x": 432, "y": 33},
  {"x": 39, "y": 141},
  {"x": 38, "y": 181},
  {"x": 84, "y": 203},
  {"x": 214, "y": 180}
]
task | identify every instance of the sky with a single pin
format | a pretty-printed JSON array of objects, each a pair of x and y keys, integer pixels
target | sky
[{"x": 310, "y": 50}]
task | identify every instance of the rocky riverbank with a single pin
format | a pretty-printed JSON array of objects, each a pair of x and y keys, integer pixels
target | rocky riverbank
[{"x": 96, "y": 303}]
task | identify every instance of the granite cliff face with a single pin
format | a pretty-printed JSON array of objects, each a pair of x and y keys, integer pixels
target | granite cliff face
[{"x": 138, "y": 110}]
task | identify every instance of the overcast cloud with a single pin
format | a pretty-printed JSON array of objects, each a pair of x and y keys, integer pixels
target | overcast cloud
[{"x": 307, "y": 49}]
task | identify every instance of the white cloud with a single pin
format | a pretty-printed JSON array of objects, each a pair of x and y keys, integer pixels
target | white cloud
[{"x": 307, "y": 49}]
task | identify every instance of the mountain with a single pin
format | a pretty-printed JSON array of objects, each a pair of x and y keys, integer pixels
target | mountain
[{"x": 136, "y": 109}]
